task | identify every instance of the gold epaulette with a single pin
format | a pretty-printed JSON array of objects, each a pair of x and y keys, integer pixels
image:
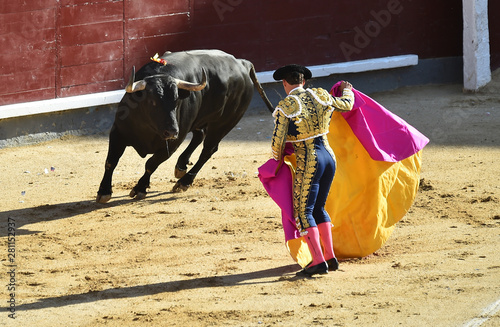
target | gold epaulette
[
  {"x": 290, "y": 106},
  {"x": 322, "y": 96}
]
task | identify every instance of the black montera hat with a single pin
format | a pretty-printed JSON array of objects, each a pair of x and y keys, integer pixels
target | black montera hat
[{"x": 281, "y": 73}]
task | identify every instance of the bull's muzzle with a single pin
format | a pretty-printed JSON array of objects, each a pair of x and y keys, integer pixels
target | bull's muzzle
[{"x": 170, "y": 134}]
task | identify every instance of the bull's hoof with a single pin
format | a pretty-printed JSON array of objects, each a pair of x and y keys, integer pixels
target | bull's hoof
[
  {"x": 103, "y": 198},
  {"x": 137, "y": 195},
  {"x": 179, "y": 173},
  {"x": 178, "y": 188}
]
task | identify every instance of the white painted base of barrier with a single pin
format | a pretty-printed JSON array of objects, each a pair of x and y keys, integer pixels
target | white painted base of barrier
[
  {"x": 357, "y": 66},
  {"x": 60, "y": 104},
  {"x": 98, "y": 99}
]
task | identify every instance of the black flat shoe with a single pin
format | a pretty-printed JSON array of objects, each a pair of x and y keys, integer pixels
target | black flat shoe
[
  {"x": 308, "y": 271},
  {"x": 333, "y": 264}
]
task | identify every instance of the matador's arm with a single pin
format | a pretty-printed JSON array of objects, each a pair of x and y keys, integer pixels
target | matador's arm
[
  {"x": 345, "y": 102},
  {"x": 279, "y": 134}
]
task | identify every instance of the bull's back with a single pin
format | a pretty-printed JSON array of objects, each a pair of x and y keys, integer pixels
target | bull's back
[
  {"x": 229, "y": 87},
  {"x": 216, "y": 63}
]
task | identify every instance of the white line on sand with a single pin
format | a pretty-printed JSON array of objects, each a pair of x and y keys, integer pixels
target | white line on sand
[{"x": 487, "y": 313}]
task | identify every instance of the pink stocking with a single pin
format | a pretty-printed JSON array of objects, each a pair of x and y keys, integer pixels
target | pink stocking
[
  {"x": 325, "y": 232},
  {"x": 313, "y": 242}
]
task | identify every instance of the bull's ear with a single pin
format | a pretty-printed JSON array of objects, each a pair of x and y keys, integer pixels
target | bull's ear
[{"x": 183, "y": 93}]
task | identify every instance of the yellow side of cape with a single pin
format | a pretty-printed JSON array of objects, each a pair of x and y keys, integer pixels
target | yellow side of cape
[{"x": 367, "y": 197}]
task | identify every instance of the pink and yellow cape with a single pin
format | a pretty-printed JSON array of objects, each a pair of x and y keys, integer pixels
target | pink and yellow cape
[{"x": 378, "y": 166}]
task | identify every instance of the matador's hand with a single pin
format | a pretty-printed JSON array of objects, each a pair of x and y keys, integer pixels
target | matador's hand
[{"x": 345, "y": 85}]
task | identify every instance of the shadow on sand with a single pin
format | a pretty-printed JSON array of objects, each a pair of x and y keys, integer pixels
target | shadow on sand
[
  {"x": 157, "y": 288},
  {"x": 51, "y": 212}
]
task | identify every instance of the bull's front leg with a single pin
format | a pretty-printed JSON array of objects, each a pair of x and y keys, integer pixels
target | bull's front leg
[
  {"x": 139, "y": 190},
  {"x": 115, "y": 151}
]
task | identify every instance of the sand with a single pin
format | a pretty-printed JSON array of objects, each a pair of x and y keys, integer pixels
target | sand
[{"x": 215, "y": 254}]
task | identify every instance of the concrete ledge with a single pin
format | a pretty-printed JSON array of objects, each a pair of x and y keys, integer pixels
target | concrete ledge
[
  {"x": 60, "y": 104},
  {"x": 111, "y": 97},
  {"x": 351, "y": 67}
]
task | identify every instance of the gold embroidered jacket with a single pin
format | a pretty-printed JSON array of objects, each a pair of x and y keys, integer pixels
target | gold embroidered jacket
[{"x": 305, "y": 114}]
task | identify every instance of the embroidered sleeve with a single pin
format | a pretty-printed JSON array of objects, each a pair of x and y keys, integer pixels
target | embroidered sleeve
[
  {"x": 345, "y": 102},
  {"x": 279, "y": 134}
]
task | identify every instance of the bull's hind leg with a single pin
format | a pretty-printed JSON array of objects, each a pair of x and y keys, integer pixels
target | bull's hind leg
[
  {"x": 187, "y": 180},
  {"x": 213, "y": 136},
  {"x": 182, "y": 162},
  {"x": 139, "y": 190}
]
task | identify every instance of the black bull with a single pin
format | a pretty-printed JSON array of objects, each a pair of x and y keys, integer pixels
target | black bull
[{"x": 205, "y": 92}]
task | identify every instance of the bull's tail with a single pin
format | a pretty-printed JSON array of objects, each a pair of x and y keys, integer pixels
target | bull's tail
[{"x": 263, "y": 95}]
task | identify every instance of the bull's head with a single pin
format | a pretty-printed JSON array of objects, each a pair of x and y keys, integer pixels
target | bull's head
[{"x": 161, "y": 99}]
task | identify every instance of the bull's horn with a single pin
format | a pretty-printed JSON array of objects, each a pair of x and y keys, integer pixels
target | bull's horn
[
  {"x": 192, "y": 86},
  {"x": 134, "y": 86}
]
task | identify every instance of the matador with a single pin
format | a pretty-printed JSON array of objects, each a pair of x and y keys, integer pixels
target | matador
[{"x": 303, "y": 118}]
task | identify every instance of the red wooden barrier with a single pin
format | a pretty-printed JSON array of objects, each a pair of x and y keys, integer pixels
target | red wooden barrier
[{"x": 51, "y": 48}]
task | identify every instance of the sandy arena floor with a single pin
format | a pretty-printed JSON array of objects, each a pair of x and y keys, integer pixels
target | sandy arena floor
[{"x": 215, "y": 255}]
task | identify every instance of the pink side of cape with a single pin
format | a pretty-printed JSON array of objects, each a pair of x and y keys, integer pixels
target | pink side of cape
[
  {"x": 385, "y": 136},
  {"x": 279, "y": 186}
]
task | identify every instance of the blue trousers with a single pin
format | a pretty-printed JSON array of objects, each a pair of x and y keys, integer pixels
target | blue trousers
[{"x": 314, "y": 175}]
